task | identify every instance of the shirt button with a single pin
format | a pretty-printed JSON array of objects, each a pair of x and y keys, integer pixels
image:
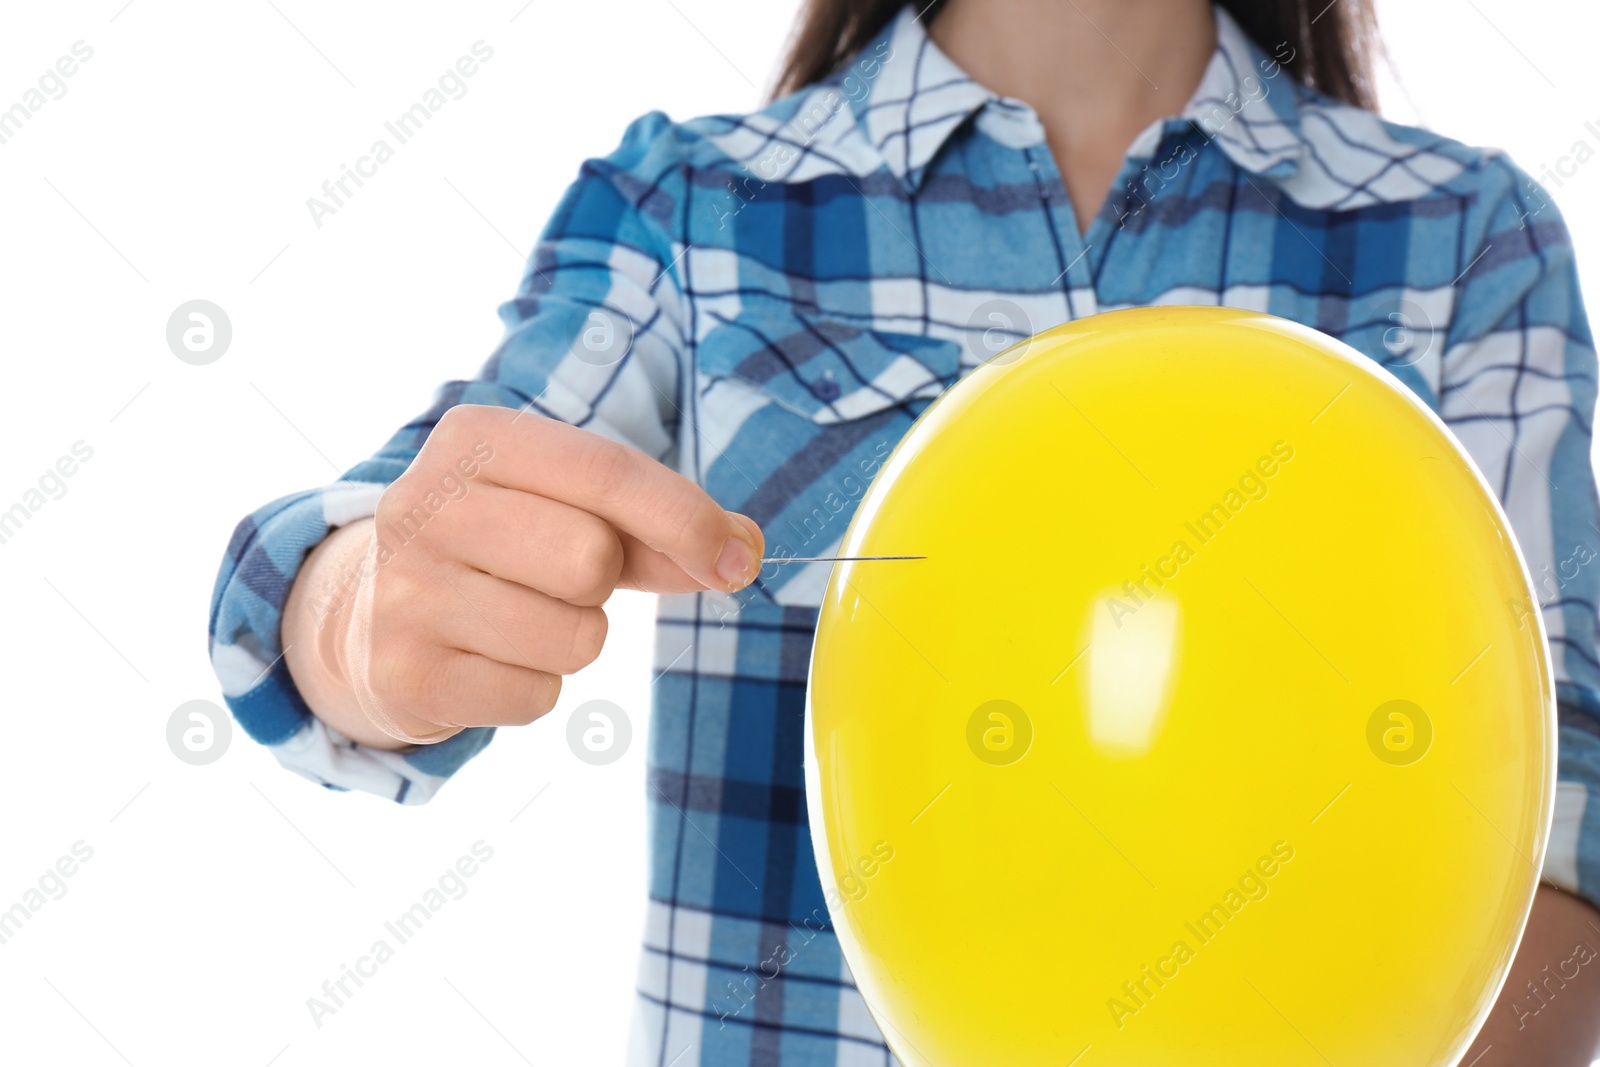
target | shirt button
[{"x": 826, "y": 390}]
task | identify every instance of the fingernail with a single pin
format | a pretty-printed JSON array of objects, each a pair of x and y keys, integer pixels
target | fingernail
[{"x": 736, "y": 562}]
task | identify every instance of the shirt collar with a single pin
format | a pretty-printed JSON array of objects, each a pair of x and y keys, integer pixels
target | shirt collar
[{"x": 917, "y": 98}]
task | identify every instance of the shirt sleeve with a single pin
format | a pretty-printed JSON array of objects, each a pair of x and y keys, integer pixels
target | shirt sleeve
[
  {"x": 1518, "y": 388},
  {"x": 593, "y": 338}
]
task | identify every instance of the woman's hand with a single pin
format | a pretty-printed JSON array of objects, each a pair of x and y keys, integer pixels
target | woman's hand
[
  {"x": 479, "y": 584},
  {"x": 1555, "y": 1022}
]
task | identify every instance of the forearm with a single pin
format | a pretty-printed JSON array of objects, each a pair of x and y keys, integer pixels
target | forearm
[
  {"x": 1555, "y": 1021},
  {"x": 316, "y": 628}
]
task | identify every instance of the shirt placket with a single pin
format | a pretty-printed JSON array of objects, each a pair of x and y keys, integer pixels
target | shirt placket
[
  {"x": 1079, "y": 254},
  {"x": 1073, "y": 250},
  {"x": 1015, "y": 125}
]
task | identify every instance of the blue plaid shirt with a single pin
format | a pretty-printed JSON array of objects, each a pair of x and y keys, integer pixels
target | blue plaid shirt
[{"x": 796, "y": 284}]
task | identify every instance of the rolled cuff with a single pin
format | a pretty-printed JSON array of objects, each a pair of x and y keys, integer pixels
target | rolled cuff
[{"x": 247, "y": 654}]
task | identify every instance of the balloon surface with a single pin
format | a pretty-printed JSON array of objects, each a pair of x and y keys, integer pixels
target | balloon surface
[{"x": 1216, "y": 728}]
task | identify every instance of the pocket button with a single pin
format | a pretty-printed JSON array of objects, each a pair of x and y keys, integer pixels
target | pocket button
[{"x": 826, "y": 390}]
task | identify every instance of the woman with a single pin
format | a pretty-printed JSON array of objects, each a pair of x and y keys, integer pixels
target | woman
[{"x": 746, "y": 312}]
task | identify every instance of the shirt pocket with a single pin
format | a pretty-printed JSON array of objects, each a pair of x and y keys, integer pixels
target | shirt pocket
[
  {"x": 825, "y": 370},
  {"x": 794, "y": 416}
]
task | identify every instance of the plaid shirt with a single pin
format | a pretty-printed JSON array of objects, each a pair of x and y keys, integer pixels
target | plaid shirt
[{"x": 796, "y": 284}]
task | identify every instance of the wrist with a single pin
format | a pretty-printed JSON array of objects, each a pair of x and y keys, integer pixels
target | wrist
[{"x": 317, "y": 628}]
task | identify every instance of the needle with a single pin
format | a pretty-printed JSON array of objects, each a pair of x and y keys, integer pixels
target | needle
[{"x": 832, "y": 559}]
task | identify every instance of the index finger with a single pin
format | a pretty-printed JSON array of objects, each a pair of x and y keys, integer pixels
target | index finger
[{"x": 636, "y": 494}]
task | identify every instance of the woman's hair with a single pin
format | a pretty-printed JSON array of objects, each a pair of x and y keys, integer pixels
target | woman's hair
[{"x": 1333, "y": 49}]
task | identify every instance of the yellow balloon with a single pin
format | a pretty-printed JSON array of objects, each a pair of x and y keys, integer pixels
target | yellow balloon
[{"x": 1216, "y": 727}]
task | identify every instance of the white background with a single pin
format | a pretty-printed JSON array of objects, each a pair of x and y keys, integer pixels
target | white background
[{"x": 176, "y": 167}]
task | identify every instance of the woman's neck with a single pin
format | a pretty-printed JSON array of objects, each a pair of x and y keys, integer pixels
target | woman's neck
[{"x": 1097, "y": 72}]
